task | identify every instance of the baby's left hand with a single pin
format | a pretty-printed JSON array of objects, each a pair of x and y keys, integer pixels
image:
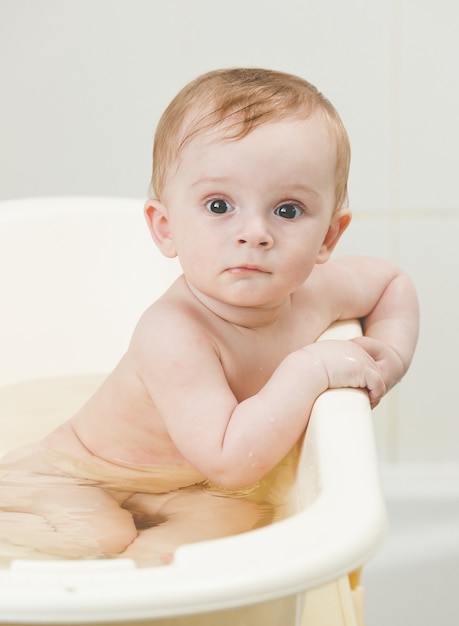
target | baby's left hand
[{"x": 387, "y": 360}]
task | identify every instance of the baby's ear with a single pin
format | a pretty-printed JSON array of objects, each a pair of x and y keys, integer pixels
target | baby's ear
[
  {"x": 158, "y": 224},
  {"x": 340, "y": 221}
]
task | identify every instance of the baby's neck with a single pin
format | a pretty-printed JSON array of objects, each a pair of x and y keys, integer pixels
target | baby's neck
[{"x": 245, "y": 317}]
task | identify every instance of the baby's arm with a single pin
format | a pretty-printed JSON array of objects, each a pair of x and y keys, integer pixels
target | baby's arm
[
  {"x": 235, "y": 443},
  {"x": 390, "y": 315}
]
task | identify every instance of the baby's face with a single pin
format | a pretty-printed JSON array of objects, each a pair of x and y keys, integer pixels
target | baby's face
[{"x": 249, "y": 216}]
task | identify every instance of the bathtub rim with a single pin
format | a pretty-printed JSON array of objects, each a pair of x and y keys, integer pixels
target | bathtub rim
[{"x": 335, "y": 532}]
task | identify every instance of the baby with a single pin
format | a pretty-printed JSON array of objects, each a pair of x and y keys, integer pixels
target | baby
[{"x": 249, "y": 190}]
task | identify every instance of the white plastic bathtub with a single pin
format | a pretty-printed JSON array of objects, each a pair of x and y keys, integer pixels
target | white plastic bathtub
[
  {"x": 414, "y": 578},
  {"x": 75, "y": 273}
]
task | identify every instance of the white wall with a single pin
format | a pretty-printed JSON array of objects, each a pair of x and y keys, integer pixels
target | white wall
[{"x": 83, "y": 82}]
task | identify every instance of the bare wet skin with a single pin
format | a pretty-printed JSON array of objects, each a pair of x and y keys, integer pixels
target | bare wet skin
[{"x": 95, "y": 514}]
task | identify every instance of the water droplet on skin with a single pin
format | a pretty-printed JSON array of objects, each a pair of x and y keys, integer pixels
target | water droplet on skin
[{"x": 251, "y": 455}]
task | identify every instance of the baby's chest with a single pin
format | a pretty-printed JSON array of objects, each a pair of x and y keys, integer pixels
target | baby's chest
[{"x": 248, "y": 365}]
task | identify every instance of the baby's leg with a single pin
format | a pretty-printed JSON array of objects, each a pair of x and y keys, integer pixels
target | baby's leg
[
  {"x": 64, "y": 518},
  {"x": 184, "y": 516}
]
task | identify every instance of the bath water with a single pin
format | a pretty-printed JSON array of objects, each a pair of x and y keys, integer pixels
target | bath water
[{"x": 31, "y": 409}]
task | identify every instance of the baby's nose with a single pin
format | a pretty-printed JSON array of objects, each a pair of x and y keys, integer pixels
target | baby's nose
[{"x": 255, "y": 234}]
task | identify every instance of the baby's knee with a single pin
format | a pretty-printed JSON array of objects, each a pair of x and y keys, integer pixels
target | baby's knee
[{"x": 114, "y": 532}]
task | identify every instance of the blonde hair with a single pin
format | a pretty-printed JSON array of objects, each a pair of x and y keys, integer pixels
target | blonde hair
[{"x": 243, "y": 98}]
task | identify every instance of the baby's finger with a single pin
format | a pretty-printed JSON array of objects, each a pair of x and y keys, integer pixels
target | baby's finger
[{"x": 376, "y": 387}]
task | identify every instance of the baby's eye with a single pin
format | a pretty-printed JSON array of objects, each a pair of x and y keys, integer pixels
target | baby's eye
[
  {"x": 288, "y": 211},
  {"x": 219, "y": 206}
]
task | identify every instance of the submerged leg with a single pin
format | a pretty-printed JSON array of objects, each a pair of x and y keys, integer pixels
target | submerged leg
[
  {"x": 167, "y": 521},
  {"x": 64, "y": 519}
]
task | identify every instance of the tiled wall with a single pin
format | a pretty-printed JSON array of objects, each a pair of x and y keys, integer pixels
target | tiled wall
[
  {"x": 83, "y": 83},
  {"x": 419, "y": 225}
]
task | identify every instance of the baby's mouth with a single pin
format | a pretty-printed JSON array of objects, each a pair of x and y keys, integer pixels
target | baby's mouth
[{"x": 247, "y": 269}]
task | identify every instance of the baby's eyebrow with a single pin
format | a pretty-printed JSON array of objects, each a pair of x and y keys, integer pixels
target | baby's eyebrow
[
  {"x": 210, "y": 180},
  {"x": 303, "y": 188},
  {"x": 291, "y": 190}
]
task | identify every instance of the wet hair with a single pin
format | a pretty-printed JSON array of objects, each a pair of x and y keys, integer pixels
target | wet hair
[{"x": 242, "y": 99}]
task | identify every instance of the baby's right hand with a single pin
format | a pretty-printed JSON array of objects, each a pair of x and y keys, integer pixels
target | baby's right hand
[{"x": 346, "y": 366}]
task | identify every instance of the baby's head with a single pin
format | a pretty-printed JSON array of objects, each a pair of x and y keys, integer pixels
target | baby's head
[{"x": 239, "y": 100}]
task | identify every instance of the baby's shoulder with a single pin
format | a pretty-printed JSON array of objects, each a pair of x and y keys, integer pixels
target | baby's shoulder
[
  {"x": 328, "y": 286},
  {"x": 173, "y": 320},
  {"x": 337, "y": 274}
]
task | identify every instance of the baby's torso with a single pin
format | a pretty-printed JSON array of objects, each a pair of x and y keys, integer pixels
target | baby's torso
[
  {"x": 122, "y": 425},
  {"x": 250, "y": 358},
  {"x": 62, "y": 455}
]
